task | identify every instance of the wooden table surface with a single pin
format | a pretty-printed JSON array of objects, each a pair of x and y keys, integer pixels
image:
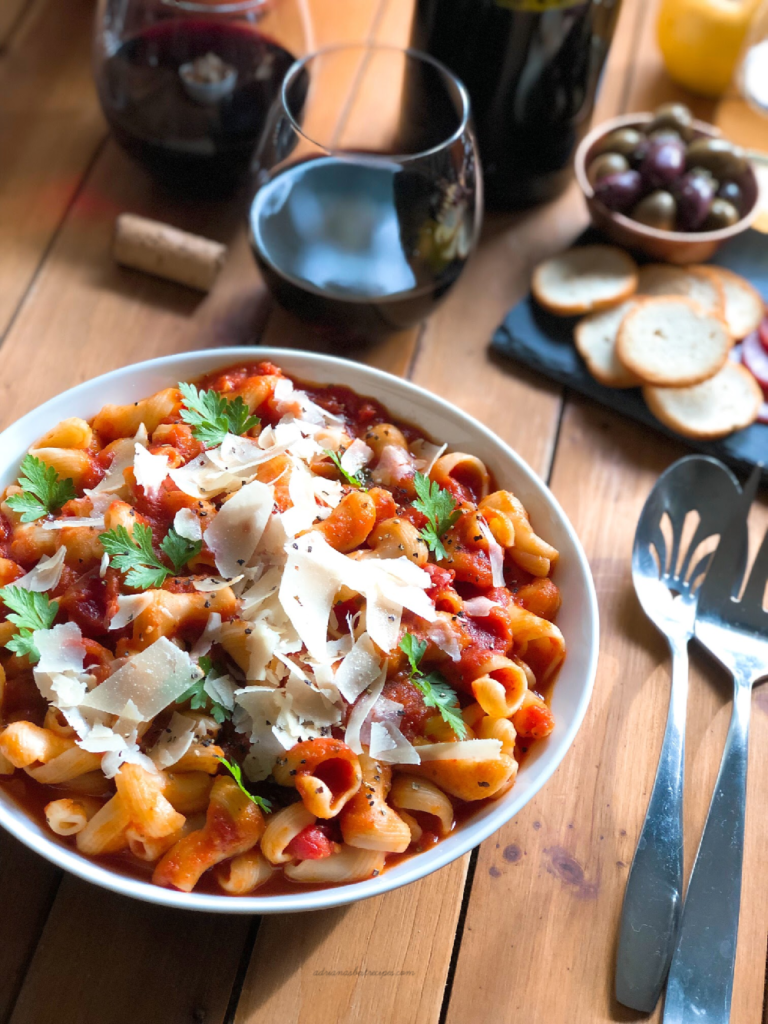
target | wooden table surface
[{"x": 523, "y": 930}]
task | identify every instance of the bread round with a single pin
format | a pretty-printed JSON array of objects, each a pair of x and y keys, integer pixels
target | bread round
[
  {"x": 726, "y": 402},
  {"x": 693, "y": 282},
  {"x": 672, "y": 342},
  {"x": 744, "y": 307},
  {"x": 595, "y": 339},
  {"x": 583, "y": 279}
]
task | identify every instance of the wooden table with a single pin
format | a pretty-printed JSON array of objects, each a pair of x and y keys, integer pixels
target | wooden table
[{"x": 523, "y": 930}]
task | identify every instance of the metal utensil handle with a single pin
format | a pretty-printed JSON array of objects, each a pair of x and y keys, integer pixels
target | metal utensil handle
[
  {"x": 653, "y": 896},
  {"x": 701, "y": 976}
]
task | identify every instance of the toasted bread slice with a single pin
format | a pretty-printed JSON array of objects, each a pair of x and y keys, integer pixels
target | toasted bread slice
[
  {"x": 693, "y": 282},
  {"x": 672, "y": 342},
  {"x": 583, "y": 279},
  {"x": 744, "y": 306},
  {"x": 595, "y": 338},
  {"x": 726, "y": 402}
]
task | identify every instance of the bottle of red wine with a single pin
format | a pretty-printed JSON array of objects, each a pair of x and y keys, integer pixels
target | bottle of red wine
[{"x": 532, "y": 68}]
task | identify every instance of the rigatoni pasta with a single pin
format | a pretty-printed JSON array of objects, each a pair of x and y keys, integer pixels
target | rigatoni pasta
[{"x": 256, "y": 635}]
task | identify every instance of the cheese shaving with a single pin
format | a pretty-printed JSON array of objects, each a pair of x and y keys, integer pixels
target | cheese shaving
[
  {"x": 124, "y": 452},
  {"x": 388, "y": 744},
  {"x": 61, "y": 648},
  {"x": 174, "y": 741},
  {"x": 45, "y": 575},
  {"x": 495, "y": 553},
  {"x": 211, "y": 584},
  {"x": 149, "y": 469},
  {"x": 129, "y": 606},
  {"x": 358, "y": 669},
  {"x": 356, "y": 456},
  {"x": 73, "y": 522},
  {"x": 187, "y": 525},
  {"x": 426, "y": 454},
  {"x": 208, "y": 637},
  {"x": 237, "y": 528},
  {"x": 479, "y": 607},
  {"x": 201, "y": 478},
  {"x": 441, "y": 634},
  {"x": 360, "y": 712}
]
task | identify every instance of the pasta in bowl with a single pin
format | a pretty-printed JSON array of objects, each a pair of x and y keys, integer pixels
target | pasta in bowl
[{"x": 278, "y": 640}]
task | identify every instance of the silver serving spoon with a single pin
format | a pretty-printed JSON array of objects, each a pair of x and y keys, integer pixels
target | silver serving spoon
[{"x": 667, "y": 574}]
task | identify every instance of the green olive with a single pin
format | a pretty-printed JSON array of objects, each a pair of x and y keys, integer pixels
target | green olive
[
  {"x": 605, "y": 164},
  {"x": 624, "y": 141},
  {"x": 722, "y": 214},
  {"x": 657, "y": 210},
  {"x": 675, "y": 116},
  {"x": 717, "y": 156}
]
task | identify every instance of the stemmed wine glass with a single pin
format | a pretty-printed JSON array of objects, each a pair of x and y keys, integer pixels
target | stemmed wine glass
[
  {"x": 186, "y": 85},
  {"x": 369, "y": 192}
]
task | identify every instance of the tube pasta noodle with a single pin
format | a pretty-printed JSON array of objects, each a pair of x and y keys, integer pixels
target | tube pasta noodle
[{"x": 291, "y": 637}]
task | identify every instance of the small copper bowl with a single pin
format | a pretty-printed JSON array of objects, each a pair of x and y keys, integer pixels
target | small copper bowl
[{"x": 669, "y": 246}]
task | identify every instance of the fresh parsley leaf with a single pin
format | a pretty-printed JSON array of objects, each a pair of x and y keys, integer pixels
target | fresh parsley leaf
[
  {"x": 200, "y": 700},
  {"x": 212, "y": 416},
  {"x": 134, "y": 556},
  {"x": 237, "y": 775},
  {"x": 351, "y": 479},
  {"x": 439, "y": 506},
  {"x": 435, "y": 690},
  {"x": 43, "y": 491},
  {"x": 29, "y": 611},
  {"x": 179, "y": 549}
]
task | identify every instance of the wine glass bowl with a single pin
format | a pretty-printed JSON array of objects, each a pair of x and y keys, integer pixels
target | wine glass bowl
[
  {"x": 186, "y": 85},
  {"x": 369, "y": 197}
]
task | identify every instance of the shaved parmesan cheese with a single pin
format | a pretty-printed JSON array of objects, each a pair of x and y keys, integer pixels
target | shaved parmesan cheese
[
  {"x": 117, "y": 749},
  {"x": 129, "y": 606},
  {"x": 356, "y": 456},
  {"x": 221, "y": 689},
  {"x": 72, "y": 522},
  {"x": 101, "y": 738},
  {"x": 130, "y": 754},
  {"x": 329, "y": 491},
  {"x": 187, "y": 525},
  {"x": 174, "y": 741},
  {"x": 123, "y": 454},
  {"x": 426, "y": 454},
  {"x": 237, "y": 528},
  {"x": 302, "y": 493},
  {"x": 103, "y": 565},
  {"x": 495, "y": 552},
  {"x": 358, "y": 669},
  {"x": 461, "y": 750},
  {"x": 479, "y": 607},
  {"x": 201, "y": 478},
  {"x": 210, "y": 584},
  {"x": 290, "y": 400},
  {"x": 262, "y": 643},
  {"x": 309, "y": 705},
  {"x": 152, "y": 680},
  {"x": 263, "y": 705},
  {"x": 441, "y": 634},
  {"x": 360, "y": 712},
  {"x": 394, "y": 466},
  {"x": 45, "y": 575},
  {"x": 150, "y": 470},
  {"x": 252, "y": 598},
  {"x": 208, "y": 637},
  {"x": 64, "y": 689},
  {"x": 61, "y": 648},
  {"x": 388, "y": 744}
]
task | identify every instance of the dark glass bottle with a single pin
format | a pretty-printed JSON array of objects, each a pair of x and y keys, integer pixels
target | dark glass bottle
[{"x": 532, "y": 68}]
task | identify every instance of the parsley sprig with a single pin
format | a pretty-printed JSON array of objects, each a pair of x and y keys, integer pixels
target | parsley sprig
[
  {"x": 134, "y": 555},
  {"x": 200, "y": 700},
  {"x": 439, "y": 506},
  {"x": 29, "y": 611},
  {"x": 354, "y": 481},
  {"x": 237, "y": 774},
  {"x": 435, "y": 690},
  {"x": 43, "y": 491},
  {"x": 212, "y": 416}
]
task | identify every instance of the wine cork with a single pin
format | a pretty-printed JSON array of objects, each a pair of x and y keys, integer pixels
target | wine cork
[{"x": 167, "y": 252}]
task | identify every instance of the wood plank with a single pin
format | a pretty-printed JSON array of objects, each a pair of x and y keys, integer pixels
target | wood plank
[
  {"x": 11, "y": 13},
  {"x": 124, "y": 960},
  {"x": 51, "y": 127}
]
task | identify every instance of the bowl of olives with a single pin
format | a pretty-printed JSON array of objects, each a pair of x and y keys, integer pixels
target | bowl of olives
[{"x": 666, "y": 184}]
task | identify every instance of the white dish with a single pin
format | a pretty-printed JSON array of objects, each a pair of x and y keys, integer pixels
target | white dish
[{"x": 578, "y": 618}]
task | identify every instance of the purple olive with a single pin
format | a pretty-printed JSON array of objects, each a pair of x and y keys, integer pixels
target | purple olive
[
  {"x": 695, "y": 192},
  {"x": 664, "y": 162},
  {"x": 619, "y": 191},
  {"x": 731, "y": 192}
]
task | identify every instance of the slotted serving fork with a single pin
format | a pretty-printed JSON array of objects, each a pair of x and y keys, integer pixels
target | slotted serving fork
[
  {"x": 735, "y": 632},
  {"x": 666, "y": 578}
]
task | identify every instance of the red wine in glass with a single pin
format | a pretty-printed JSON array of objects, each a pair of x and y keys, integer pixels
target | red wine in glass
[
  {"x": 359, "y": 244},
  {"x": 189, "y": 98}
]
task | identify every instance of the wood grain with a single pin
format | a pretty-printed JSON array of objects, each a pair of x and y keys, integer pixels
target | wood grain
[{"x": 11, "y": 13}]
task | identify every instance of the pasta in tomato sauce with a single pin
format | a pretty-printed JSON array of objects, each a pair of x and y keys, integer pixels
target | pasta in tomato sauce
[{"x": 254, "y": 634}]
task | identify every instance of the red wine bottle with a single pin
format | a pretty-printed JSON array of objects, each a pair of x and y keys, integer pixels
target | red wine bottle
[{"x": 532, "y": 68}]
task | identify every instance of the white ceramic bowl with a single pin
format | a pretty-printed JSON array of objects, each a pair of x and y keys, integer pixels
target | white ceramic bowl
[{"x": 441, "y": 421}]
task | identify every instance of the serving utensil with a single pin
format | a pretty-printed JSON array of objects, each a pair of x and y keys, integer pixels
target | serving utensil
[
  {"x": 667, "y": 574},
  {"x": 735, "y": 632}
]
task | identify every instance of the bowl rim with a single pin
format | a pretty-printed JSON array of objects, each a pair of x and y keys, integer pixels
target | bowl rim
[
  {"x": 417, "y": 866},
  {"x": 644, "y": 230}
]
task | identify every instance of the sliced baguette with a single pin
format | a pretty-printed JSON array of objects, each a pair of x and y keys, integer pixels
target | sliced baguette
[
  {"x": 672, "y": 342},
  {"x": 663, "y": 279},
  {"x": 595, "y": 339},
  {"x": 728, "y": 401},
  {"x": 584, "y": 279},
  {"x": 744, "y": 306}
]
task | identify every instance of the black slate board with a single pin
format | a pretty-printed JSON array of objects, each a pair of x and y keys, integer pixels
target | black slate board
[{"x": 543, "y": 342}]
